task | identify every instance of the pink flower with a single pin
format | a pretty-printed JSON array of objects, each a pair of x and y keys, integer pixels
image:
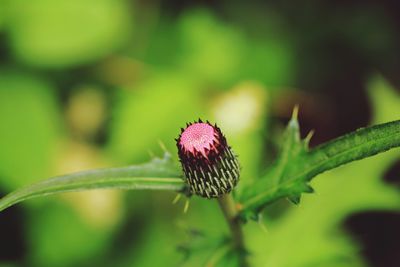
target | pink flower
[{"x": 211, "y": 168}]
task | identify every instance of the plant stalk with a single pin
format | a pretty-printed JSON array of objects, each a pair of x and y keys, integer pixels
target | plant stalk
[{"x": 231, "y": 214}]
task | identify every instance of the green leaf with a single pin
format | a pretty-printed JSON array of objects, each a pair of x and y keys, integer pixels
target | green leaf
[
  {"x": 31, "y": 128},
  {"x": 317, "y": 224},
  {"x": 158, "y": 174},
  {"x": 67, "y": 33},
  {"x": 297, "y": 165}
]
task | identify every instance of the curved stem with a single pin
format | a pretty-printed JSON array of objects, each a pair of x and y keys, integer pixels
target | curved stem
[{"x": 228, "y": 207}]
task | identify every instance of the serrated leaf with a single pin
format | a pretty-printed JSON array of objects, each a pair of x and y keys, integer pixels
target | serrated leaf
[
  {"x": 317, "y": 224},
  {"x": 294, "y": 199},
  {"x": 158, "y": 174},
  {"x": 293, "y": 147},
  {"x": 296, "y": 165}
]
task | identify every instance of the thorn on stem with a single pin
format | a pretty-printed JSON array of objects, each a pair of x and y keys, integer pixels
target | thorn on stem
[
  {"x": 295, "y": 113},
  {"x": 162, "y": 145},
  {"x": 310, "y": 134},
  {"x": 176, "y": 199},
  {"x": 185, "y": 209}
]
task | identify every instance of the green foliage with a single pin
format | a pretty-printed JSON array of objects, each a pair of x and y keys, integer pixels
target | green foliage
[
  {"x": 181, "y": 64},
  {"x": 66, "y": 33},
  {"x": 214, "y": 51},
  {"x": 385, "y": 100},
  {"x": 30, "y": 128},
  {"x": 296, "y": 165},
  {"x": 133, "y": 134},
  {"x": 288, "y": 179},
  {"x": 56, "y": 216},
  {"x": 211, "y": 49},
  {"x": 158, "y": 174},
  {"x": 316, "y": 224}
]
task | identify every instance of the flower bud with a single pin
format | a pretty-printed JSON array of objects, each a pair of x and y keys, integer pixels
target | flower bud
[{"x": 210, "y": 167}]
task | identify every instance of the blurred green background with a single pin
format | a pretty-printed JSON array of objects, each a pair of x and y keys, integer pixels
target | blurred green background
[{"x": 97, "y": 83}]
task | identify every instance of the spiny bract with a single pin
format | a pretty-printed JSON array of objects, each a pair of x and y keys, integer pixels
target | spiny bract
[{"x": 210, "y": 167}]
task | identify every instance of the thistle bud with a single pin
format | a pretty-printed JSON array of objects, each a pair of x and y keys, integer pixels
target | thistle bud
[{"x": 210, "y": 167}]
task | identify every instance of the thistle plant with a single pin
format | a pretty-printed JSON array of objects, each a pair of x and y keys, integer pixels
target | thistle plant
[
  {"x": 210, "y": 167},
  {"x": 211, "y": 170}
]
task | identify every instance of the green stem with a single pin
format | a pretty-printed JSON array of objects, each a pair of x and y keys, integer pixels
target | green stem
[{"x": 228, "y": 207}]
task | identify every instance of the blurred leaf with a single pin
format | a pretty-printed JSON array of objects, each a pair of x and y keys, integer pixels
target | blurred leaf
[
  {"x": 2, "y": 15},
  {"x": 164, "y": 44},
  {"x": 269, "y": 61},
  {"x": 385, "y": 99},
  {"x": 158, "y": 174},
  {"x": 211, "y": 50},
  {"x": 207, "y": 241},
  {"x": 67, "y": 32},
  {"x": 213, "y": 254},
  {"x": 58, "y": 236},
  {"x": 154, "y": 110},
  {"x": 296, "y": 166},
  {"x": 218, "y": 52},
  {"x": 30, "y": 124},
  {"x": 214, "y": 51}
]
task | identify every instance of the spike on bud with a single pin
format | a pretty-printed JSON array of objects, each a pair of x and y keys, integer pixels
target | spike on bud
[{"x": 210, "y": 166}]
